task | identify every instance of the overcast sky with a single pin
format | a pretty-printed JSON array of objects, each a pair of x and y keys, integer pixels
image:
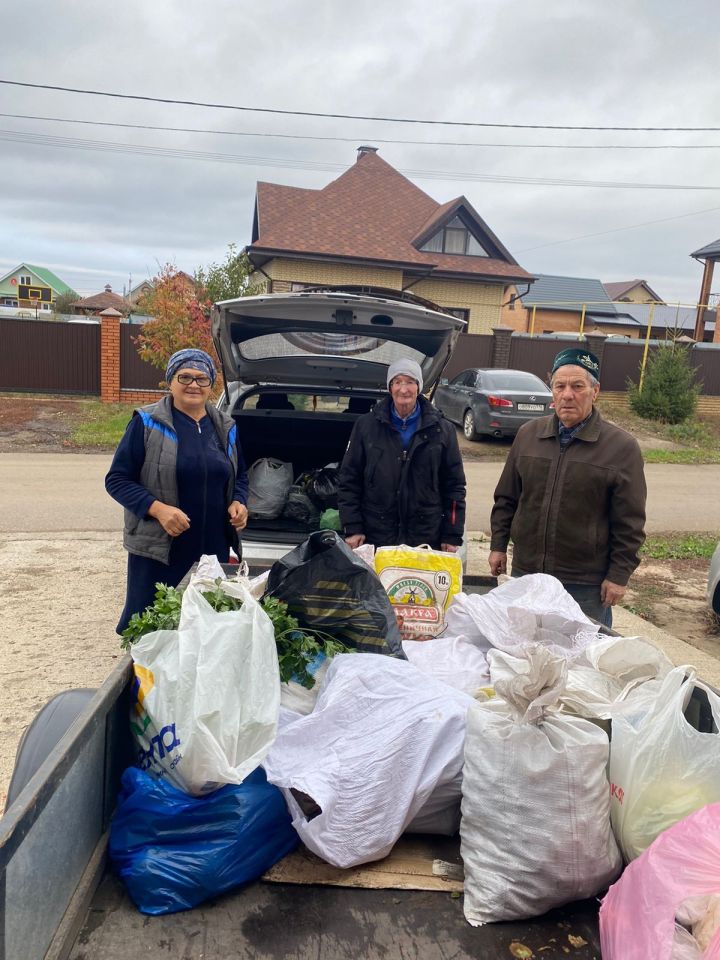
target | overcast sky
[{"x": 96, "y": 215}]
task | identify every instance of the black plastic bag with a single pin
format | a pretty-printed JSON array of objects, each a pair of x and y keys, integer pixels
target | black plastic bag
[
  {"x": 300, "y": 507},
  {"x": 328, "y": 588},
  {"x": 325, "y": 486}
]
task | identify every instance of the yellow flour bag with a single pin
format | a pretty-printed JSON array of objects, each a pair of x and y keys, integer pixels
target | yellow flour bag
[{"x": 420, "y": 584}]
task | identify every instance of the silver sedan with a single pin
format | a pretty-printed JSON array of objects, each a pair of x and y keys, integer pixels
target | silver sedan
[{"x": 491, "y": 402}]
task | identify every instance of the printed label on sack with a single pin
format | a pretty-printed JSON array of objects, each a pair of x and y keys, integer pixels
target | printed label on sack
[
  {"x": 617, "y": 792},
  {"x": 418, "y": 602}
]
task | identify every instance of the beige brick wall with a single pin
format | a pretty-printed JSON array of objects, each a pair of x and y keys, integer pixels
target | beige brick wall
[
  {"x": 636, "y": 294},
  {"x": 483, "y": 300},
  {"x": 309, "y": 271}
]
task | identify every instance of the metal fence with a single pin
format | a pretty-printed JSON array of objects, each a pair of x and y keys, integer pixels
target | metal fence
[
  {"x": 45, "y": 356},
  {"x": 621, "y": 360},
  {"x": 135, "y": 374},
  {"x": 471, "y": 350}
]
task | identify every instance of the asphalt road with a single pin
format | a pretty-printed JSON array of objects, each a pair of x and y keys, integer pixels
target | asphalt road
[{"x": 53, "y": 493}]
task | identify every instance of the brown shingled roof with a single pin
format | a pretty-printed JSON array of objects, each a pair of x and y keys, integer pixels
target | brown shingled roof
[
  {"x": 101, "y": 301},
  {"x": 370, "y": 213}
]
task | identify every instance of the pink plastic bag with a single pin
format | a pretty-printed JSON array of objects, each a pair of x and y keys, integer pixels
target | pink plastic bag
[{"x": 637, "y": 915}]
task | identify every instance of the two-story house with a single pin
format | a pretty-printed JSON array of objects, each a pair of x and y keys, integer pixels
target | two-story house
[
  {"x": 31, "y": 287},
  {"x": 374, "y": 227}
]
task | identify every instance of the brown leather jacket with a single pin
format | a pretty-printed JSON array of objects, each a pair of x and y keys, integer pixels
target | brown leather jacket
[{"x": 579, "y": 514}]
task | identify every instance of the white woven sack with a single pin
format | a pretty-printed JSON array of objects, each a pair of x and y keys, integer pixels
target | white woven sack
[
  {"x": 535, "y": 830},
  {"x": 453, "y": 660},
  {"x": 381, "y": 740},
  {"x": 521, "y": 611},
  {"x": 208, "y": 693}
]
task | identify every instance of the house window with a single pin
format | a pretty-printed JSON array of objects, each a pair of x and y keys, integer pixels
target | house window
[
  {"x": 26, "y": 280},
  {"x": 455, "y": 238}
]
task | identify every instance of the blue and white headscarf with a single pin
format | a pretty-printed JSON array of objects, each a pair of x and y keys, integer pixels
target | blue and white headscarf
[{"x": 190, "y": 357}]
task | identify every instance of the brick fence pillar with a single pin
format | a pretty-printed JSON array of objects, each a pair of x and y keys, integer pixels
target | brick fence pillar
[
  {"x": 596, "y": 345},
  {"x": 501, "y": 346},
  {"x": 110, "y": 356}
]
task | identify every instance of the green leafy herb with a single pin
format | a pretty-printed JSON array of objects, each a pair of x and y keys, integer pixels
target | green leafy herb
[
  {"x": 162, "y": 614},
  {"x": 297, "y": 648}
]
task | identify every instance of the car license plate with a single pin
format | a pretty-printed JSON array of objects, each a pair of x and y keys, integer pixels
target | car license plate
[{"x": 531, "y": 407}]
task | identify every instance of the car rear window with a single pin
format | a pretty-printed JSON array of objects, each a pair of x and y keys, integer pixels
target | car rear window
[
  {"x": 515, "y": 380},
  {"x": 325, "y": 344}
]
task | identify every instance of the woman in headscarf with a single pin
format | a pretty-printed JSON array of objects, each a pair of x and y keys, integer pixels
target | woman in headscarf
[{"x": 179, "y": 473}]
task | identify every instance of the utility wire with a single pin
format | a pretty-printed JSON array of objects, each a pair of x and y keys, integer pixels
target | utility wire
[
  {"x": 349, "y": 116},
  {"x": 39, "y": 139},
  {"x": 360, "y": 139},
  {"x": 105, "y": 146},
  {"x": 630, "y": 226}
]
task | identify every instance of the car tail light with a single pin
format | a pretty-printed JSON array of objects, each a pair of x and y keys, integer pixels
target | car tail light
[
  {"x": 551, "y": 405},
  {"x": 496, "y": 402}
]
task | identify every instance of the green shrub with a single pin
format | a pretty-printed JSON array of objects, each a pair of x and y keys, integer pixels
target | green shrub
[{"x": 669, "y": 392}]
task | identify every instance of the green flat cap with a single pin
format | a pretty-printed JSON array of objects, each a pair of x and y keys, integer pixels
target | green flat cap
[{"x": 577, "y": 358}]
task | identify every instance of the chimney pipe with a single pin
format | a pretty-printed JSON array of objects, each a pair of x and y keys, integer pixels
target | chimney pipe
[{"x": 366, "y": 148}]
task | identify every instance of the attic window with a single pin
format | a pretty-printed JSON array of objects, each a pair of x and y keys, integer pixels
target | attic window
[{"x": 455, "y": 238}]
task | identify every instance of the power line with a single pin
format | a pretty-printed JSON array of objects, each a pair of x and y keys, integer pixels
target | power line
[
  {"x": 362, "y": 138},
  {"x": 350, "y": 116},
  {"x": 105, "y": 146},
  {"x": 630, "y": 226}
]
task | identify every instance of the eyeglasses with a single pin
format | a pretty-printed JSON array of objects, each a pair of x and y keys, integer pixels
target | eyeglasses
[{"x": 187, "y": 378}]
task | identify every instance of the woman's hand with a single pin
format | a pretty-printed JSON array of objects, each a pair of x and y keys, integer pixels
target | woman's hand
[
  {"x": 238, "y": 514},
  {"x": 171, "y": 519}
]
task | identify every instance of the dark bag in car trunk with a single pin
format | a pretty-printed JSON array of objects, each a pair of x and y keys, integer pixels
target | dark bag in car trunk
[{"x": 328, "y": 588}]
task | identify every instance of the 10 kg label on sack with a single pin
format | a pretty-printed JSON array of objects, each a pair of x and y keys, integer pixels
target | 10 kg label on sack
[{"x": 420, "y": 583}]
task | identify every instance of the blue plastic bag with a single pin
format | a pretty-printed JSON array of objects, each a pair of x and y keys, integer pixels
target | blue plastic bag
[{"x": 173, "y": 851}]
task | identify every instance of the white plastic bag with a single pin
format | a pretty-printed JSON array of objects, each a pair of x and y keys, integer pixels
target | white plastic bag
[
  {"x": 207, "y": 694},
  {"x": 268, "y": 483},
  {"x": 381, "y": 740},
  {"x": 522, "y": 611},
  {"x": 661, "y": 768},
  {"x": 535, "y": 830},
  {"x": 294, "y": 696}
]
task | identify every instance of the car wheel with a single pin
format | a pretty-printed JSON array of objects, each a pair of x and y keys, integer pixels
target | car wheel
[{"x": 469, "y": 425}]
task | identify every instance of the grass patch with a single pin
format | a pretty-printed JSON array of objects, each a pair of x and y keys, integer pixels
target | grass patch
[
  {"x": 689, "y": 455},
  {"x": 688, "y": 546},
  {"x": 103, "y": 424},
  {"x": 643, "y": 600}
]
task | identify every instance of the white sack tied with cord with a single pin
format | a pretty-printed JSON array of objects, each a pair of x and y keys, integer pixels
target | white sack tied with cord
[
  {"x": 535, "y": 830},
  {"x": 382, "y": 739},
  {"x": 207, "y": 695},
  {"x": 522, "y": 611}
]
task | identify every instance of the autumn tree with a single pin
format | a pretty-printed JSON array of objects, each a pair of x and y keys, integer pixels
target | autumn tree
[{"x": 181, "y": 318}]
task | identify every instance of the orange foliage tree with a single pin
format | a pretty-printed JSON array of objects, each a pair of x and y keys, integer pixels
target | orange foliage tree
[{"x": 180, "y": 309}]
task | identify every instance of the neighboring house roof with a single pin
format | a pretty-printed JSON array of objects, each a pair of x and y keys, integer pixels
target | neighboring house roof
[
  {"x": 139, "y": 286},
  {"x": 42, "y": 273},
  {"x": 101, "y": 301},
  {"x": 711, "y": 251},
  {"x": 620, "y": 319},
  {"x": 569, "y": 293},
  {"x": 668, "y": 316},
  {"x": 372, "y": 213},
  {"x": 617, "y": 290}
]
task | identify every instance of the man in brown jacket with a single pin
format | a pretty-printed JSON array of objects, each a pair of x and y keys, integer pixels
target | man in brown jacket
[{"x": 572, "y": 494}]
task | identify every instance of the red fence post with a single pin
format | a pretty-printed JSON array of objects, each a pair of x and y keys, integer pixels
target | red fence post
[{"x": 110, "y": 355}]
